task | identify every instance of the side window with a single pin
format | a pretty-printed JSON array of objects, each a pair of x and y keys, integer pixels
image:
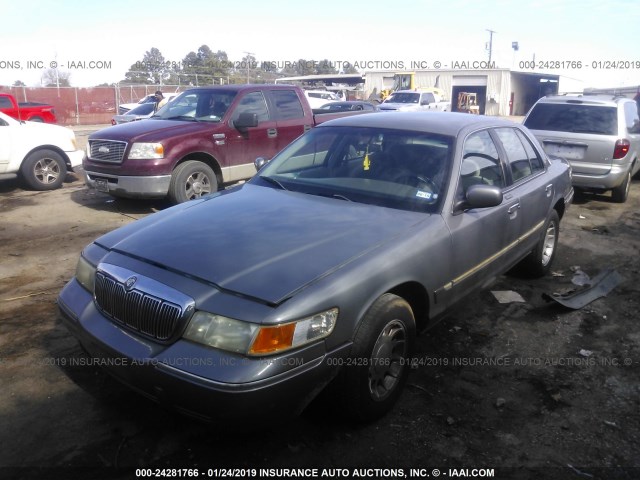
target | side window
[
  {"x": 534, "y": 157},
  {"x": 480, "y": 163},
  {"x": 516, "y": 154},
  {"x": 427, "y": 98},
  {"x": 631, "y": 117},
  {"x": 3, "y": 123},
  {"x": 253, "y": 102},
  {"x": 288, "y": 104},
  {"x": 5, "y": 102}
]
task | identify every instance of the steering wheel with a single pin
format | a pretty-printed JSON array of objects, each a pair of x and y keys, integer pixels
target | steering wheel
[{"x": 414, "y": 180}]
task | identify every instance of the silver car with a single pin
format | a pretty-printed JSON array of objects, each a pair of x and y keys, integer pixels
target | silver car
[
  {"x": 598, "y": 135},
  {"x": 319, "y": 270}
]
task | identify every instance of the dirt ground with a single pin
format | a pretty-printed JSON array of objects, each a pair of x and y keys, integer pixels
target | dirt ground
[{"x": 528, "y": 390}]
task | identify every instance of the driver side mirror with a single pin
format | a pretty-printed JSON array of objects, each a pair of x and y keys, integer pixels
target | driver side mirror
[
  {"x": 246, "y": 120},
  {"x": 483, "y": 196},
  {"x": 479, "y": 196},
  {"x": 259, "y": 163}
]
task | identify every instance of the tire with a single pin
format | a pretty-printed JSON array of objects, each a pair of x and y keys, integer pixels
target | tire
[
  {"x": 191, "y": 179},
  {"x": 43, "y": 170},
  {"x": 374, "y": 378},
  {"x": 621, "y": 192},
  {"x": 539, "y": 261},
  {"x": 36, "y": 119}
]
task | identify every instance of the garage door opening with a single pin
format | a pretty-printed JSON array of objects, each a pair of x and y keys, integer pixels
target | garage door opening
[{"x": 480, "y": 91}]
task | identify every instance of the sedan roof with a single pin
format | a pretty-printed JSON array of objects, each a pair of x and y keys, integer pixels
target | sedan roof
[{"x": 444, "y": 123}]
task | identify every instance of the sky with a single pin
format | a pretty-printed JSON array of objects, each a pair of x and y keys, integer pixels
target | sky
[{"x": 594, "y": 42}]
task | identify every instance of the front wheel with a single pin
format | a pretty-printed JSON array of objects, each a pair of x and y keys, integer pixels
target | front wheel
[
  {"x": 539, "y": 261},
  {"x": 192, "y": 179},
  {"x": 43, "y": 170},
  {"x": 374, "y": 378}
]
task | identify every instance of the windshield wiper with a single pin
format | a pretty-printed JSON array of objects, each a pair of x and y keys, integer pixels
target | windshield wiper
[
  {"x": 273, "y": 181},
  {"x": 339, "y": 196},
  {"x": 178, "y": 117}
]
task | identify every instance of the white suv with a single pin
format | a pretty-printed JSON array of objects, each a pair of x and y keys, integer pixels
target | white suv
[{"x": 598, "y": 135}]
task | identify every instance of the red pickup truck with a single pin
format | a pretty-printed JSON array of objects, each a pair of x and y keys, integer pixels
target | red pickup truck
[
  {"x": 205, "y": 138},
  {"x": 32, "y": 111}
]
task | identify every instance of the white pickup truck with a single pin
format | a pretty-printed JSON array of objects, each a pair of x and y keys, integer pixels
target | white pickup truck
[
  {"x": 40, "y": 153},
  {"x": 412, "y": 101}
]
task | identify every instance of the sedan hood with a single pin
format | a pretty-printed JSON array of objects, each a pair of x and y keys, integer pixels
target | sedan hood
[{"x": 261, "y": 242}]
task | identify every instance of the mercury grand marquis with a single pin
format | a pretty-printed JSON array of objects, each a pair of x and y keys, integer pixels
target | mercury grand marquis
[{"x": 321, "y": 269}]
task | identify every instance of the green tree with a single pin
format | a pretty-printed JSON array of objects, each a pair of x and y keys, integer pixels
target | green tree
[
  {"x": 205, "y": 66},
  {"x": 350, "y": 69},
  {"x": 325, "y": 67},
  {"x": 152, "y": 70}
]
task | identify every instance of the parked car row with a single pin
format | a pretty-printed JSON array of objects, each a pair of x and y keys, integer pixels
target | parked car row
[{"x": 315, "y": 275}]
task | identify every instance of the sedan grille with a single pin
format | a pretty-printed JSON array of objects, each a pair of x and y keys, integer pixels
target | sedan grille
[
  {"x": 139, "y": 310},
  {"x": 107, "y": 150}
]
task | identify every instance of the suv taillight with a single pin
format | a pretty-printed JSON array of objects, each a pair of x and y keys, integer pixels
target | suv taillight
[{"x": 621, "y": 149}]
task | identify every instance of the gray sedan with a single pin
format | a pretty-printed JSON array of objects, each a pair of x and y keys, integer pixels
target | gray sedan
[{"x": 321, "y": 269}]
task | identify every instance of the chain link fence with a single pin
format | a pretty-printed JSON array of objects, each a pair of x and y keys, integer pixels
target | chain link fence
[{"x": 87, "y": 106}]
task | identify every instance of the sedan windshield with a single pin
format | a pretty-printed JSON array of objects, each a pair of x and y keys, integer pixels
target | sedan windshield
[
  {"x": 406, "y": 97},
  {"x": 391, "y": 168},
  {"x": 142, "y": 109},
  {"x": 201, "y": 106}
]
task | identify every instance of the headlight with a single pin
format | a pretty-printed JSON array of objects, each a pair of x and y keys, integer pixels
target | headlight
[
  {"x": 146, "y": 150},
  {"x": 248, "y": 338},
  {"x": 220, "y": 332},
  {"x": 85, "y": 274}
]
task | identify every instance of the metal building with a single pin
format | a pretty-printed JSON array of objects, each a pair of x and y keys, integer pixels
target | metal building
[{"x": 499, "y": 91}]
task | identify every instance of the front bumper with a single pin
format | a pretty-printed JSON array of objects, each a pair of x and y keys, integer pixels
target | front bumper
[
  {"x": 129, "y": 186},
  {"x": 75, "y": 158},
  {"x": 198, "y": 381}
]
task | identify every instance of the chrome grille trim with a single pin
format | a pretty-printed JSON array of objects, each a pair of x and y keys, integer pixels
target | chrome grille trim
[
  {"x": 115, "y": 153},
  {"x": 148, "y": 307}
]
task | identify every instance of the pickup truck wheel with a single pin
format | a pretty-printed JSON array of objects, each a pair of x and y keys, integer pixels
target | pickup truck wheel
[
  {"x": 539, "y": 261},
  {"x": 36, "y": 119},
  {"x": 621, "y": 192},
  {"x": 373, "y": 379},
  {"x": 43, "y": 170},
  {"x": 191, "y": 179}
]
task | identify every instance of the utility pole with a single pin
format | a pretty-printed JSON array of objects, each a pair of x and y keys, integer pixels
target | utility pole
[
  {"x": 249, "y": 54},
  {"x": 491, "y": 32}
]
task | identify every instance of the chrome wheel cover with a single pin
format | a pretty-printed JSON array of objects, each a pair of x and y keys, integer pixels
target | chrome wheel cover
[
  {"x": 47, "y": 171},
  {"x": 387, "y": 360}
]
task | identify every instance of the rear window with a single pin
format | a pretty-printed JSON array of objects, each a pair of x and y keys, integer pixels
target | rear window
[
  {"x": 574, "y": 118},
  {"x": 288, "y": 104}
]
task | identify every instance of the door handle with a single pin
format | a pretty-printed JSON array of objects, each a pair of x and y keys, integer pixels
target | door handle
[
  {"x": 272, "y": 132},
  {"x": 549, "y": 189},
  {"x": 513, "y": 208}
]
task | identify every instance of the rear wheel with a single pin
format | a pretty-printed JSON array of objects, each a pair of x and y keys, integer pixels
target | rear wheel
[
  {"x": 374, "y": 378},
  {"x": 43, "y": 170},
  {"x": 539, "y": 261},
  {"x": 192, "y": 179},
  {"x": 621, "y": 192}
]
